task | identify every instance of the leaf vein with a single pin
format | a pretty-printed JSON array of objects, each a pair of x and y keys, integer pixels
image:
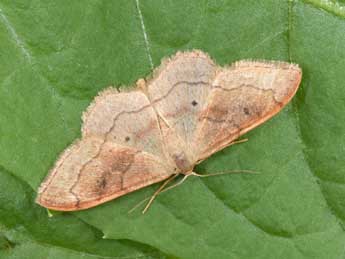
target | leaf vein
[
  {"x": 147, "y": 45},
  {"x": 19, "y": 42}
]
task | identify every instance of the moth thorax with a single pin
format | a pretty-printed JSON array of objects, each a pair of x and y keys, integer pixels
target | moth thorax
[{"x": 182, "y": 162}]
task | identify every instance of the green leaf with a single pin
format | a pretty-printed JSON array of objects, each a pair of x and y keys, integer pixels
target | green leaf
[{"x": 56, "y": 56}]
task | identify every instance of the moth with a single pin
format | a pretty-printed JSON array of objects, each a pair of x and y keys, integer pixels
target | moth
[{"x": 189, "y": 109}]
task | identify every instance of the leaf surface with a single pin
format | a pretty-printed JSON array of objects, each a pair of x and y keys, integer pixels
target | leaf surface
[{"x": 56, "y": 56}]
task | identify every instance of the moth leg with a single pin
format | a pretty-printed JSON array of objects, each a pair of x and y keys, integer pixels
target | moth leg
[
  {"x": 238, "y": 141},
  {"x": 159, "y": 190},
  {"x": 227, "y": 172},
  {"x": 230, "y": 144}
]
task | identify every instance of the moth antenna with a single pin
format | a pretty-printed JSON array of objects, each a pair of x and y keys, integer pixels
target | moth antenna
[
  {"x": 166, "y": 189},
  {"x": 138, "y": 205},
  {"x": 161, "y": 188},
  {"x": 181, "y": 181},
  {"x": 159, "y": 191},
  {"x": 156, "y": 193},
  {"x": 228, "y": 145}
]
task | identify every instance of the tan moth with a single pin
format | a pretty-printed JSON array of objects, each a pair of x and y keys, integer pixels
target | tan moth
[{"x": 189, "y": 109}]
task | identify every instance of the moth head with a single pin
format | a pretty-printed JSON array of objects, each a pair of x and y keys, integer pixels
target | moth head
[{"x": 182, "y": 163}]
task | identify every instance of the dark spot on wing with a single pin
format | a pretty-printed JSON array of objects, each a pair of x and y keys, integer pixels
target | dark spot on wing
[
  {"x": 194, "y": 103},
  {"x": 246, "y": 110},
  {"x": 102, "y": 183}
]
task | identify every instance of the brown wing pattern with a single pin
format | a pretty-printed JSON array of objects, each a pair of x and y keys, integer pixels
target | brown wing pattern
[
  {"x": 125, "y": 118},
  {"x": 179, "y": 92},
  {"x": 121, "y": 150},
  {"x": 93, "y": 171},
  {"x": 243, "y": 97}
]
